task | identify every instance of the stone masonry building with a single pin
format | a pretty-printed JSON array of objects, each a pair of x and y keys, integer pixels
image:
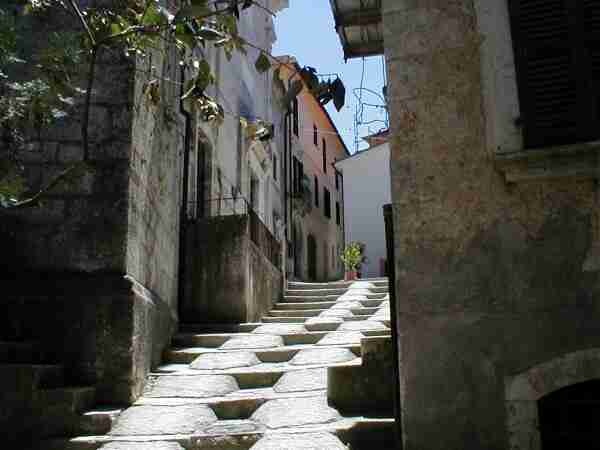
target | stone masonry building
[
  {"x": 98, "y": 277},
  {"x": 494, "y": 160},
  {"x": 316, "y": 208}
]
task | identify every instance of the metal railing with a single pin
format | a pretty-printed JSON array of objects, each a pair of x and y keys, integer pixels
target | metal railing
[
  {"x": 264, "y": 239},
  {"x": 260, "y": 234}
]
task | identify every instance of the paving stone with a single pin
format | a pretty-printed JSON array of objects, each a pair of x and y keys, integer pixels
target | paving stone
[
  {"x": 358, "y": 291},
  {"x": 338, "y": 312},
  {"x": 280, "y": 328},
  {"x": 302, "y": 380},
  {"x": 233, "y": 427},
  {"x": 199, "y": 386},
  {"x": 352, "y": 297},
  {"x": 156, "y": 420},
  {"x": 347, "y": 305},
  {"x": 305, "y": 441},
  {"x": 361, "y": 285},
  {"x": 362, "y": 325},
  {"x": 292, "y": 412},
  {"x": 142, "y": 446},
  {"x": 322, "y": 356},
  {"x": 322, "y": 323},
  {"x": 229, "y": 360},
  {"x": 252, "y": 342},
  {"x": 339, "y": 338}
]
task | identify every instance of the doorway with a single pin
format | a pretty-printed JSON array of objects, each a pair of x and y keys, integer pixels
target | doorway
[
  {"x": 312, "y": 257},
  {"x": 569, "y": 417}
]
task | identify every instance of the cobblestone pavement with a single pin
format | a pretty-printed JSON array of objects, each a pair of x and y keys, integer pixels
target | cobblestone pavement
[{"x": 260, "y": 386}]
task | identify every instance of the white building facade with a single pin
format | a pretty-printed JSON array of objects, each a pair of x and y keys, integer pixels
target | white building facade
[{"x": 367, "y": 188}]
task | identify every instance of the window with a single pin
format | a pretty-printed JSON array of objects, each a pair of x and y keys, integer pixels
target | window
[
  {"x": 337, "y": 181},
  {"x": 274, "y": 166},
  {"x": 327, "y": 202},
  {"x": 298, "y": 174},
  {"x": 557, "y": 56},
  {"x": 315, "y": 135},
  {"x": 316, "y": 192},
  {"x": 254, "y": 192},
  {"x": 338, "y": 213},
  {"x": 324, "y": 157},
  {"x": 295, "y": 118}
]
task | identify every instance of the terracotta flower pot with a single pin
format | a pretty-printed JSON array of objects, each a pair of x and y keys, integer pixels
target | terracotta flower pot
[{"x": 351, "y": 275}]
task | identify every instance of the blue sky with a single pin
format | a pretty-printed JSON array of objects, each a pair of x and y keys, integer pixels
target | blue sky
[{"x": 306, "y": 31}]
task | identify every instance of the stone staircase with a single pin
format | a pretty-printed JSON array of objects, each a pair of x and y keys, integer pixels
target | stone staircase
[
  {"x": 39, "y": 401},
  {"x": 260, "y": 386}
]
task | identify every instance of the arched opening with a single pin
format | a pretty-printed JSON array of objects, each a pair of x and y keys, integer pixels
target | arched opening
[
  {"x": 555, "y": 404},
  {"x": 569, "y": 417}
]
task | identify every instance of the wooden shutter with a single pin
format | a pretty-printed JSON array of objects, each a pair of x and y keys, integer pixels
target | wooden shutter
[{"x": 553, "y": 69}]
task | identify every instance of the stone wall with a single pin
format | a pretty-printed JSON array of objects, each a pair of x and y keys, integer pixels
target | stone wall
[
  {"x": 117, "y": 224},
  {"x": 81, "y": 225},
  {"x": 490, "y": 275},
  {"x": 232, "y": 281}
]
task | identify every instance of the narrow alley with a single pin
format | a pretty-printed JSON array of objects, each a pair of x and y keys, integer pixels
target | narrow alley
[{"x": 263, "y": 385}]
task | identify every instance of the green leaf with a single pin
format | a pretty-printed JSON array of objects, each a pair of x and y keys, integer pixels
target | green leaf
[
  {"x": 184, "y": 35},
  {"x": 204, "y": 77},
  {"x": 262, "y": 64},
  {"x": 192, "y": 11},
  {"x": 115, "y": 28},
  {"x": 210, "y": 34}
]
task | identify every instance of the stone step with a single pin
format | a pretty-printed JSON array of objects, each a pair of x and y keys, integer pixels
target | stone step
[
  {"x": 20, "y": 353},
  {"x": 71, "y": 399},
  {"x": 304, "y": 305},
  {"x": 309, "y": 298},
  {"x": 97, "y": 421},
  {"x": 217, "y": 340},
  {"x": 296, "y": 312},
  {"x": 355, "y": 433},
  {"x": 371, "y": 300},
  {"x": 27, "y": 377},
  {"x": 281, "y": 319},
  {"x": 364, "y": 311},
  {"x": 315, "y": 292},
  {"x": 218, "y": 328},
  {"x": 61, "y": 410},
  {"x": 328, "y": 293},
  {"x": 307, "y": 285},
  {"x": 275, "y": 355},
  {"x": 377, "y": 282}
]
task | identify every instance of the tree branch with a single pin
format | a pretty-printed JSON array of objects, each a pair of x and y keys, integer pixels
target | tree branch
[
  {"x": 32, "y": 201},
  {"x": 84, "y": 23}
]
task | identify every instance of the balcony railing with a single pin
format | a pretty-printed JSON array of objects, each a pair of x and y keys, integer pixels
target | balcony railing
[{"x": 260, "y": 234}]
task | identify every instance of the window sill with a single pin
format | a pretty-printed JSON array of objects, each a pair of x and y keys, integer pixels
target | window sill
[{"x": 579, "y": 161}]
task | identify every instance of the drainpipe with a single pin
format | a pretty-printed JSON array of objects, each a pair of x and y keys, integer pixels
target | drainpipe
[
  {"x": 285, "y": 193},
  {"x": 183, "y": 219},
  {"x": 388, "y": 215}
]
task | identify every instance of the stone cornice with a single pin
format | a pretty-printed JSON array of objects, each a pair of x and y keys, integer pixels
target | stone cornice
[{"x": 571, "y": 161}]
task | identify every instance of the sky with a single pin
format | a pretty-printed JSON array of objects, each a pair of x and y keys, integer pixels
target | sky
[{"x": 306, "y": 30}]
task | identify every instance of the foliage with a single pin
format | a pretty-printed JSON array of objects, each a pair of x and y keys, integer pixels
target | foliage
[
  {"x": 353, "y": 256},
  {"x": 46, "y": 93},
  {"x": 138, "y": 28}
]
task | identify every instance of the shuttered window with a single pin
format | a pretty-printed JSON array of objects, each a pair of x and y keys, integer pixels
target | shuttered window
[{"x": 557, "y": 55}]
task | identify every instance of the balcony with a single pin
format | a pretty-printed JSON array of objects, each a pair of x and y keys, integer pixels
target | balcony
[{"x": 359, "y": 25}]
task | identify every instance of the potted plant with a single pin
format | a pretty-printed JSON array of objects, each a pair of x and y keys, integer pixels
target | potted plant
[{"x": 353, "y": 258}]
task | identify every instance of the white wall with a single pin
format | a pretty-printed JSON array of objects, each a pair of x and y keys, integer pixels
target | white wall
[
  {"x": 242, "y": 91},
  {"x": 366, "y": 189}
]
